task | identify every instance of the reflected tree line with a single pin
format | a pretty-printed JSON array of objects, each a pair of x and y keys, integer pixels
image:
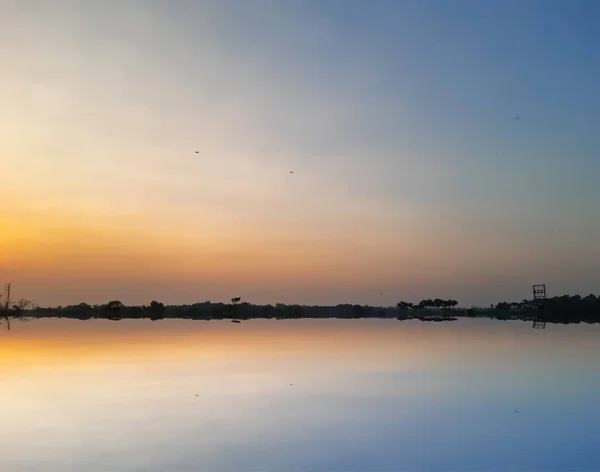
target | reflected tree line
[{"x": 563, "y": 309}]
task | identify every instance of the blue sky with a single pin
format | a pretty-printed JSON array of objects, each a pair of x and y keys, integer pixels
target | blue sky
[{"x": 398, "y": 119}]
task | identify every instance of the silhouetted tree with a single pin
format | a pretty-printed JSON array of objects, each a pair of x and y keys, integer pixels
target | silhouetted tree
[
  {"x": 135, "y": 311},
  {"x": 425, "y": 303},
  {"x": 157, "y": 307},
  {"x": 156, "y": 310},
  {"x": 114, "y": 306}
]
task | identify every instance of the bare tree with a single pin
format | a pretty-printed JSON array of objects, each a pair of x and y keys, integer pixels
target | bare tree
[
  {"x": 17, "y": 310},
  {"x": 4, "y": 305}
]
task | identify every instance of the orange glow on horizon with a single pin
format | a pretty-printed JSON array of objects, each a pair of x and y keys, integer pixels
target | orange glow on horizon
[{"x": 38, "y": 247}]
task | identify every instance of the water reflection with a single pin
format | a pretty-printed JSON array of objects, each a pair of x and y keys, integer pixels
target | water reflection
[{"x": 298, "y": 395}]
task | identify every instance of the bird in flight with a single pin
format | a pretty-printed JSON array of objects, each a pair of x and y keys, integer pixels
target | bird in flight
[
  {"x": 197, "y": 152},
  {"x": 517, "y": 118}
]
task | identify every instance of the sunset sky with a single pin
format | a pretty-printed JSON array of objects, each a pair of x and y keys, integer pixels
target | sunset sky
[{"x": 438, "y": 149}]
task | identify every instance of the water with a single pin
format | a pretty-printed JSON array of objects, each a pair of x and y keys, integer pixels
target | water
[{"x": 310, "y": 395}]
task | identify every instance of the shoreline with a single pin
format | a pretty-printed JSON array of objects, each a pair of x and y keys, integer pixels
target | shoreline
[{"x": 216, "y": 312}]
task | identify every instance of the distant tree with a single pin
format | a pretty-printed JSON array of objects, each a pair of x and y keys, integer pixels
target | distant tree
[
  {"x": 427, "y": 303},
  {"x": 234, "y": 305},
  {"x": 3, "y": 312},
  {"x": 268, "y": 311},
  {"x": 17, "y": 310},
  {"x": 156, "y": 310},
  {"x": 156, "y": 306},
  {"x": 114, "y": 306},
  {"x": 404, "y": 305},
  {"x": 135, "y": 311},
  {"x": 23, "y": 305},
  {"x": 5, "y": 303},
  {"x": 446, "y": 304}
]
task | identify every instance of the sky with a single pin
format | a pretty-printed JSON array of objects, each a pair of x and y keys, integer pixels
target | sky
[{"x": 438, "y": 149}]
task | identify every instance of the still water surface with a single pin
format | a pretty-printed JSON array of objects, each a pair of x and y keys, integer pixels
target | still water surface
[{"x": 302, "y": 395}]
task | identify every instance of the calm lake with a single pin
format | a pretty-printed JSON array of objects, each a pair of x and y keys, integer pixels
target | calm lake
[{"x": 301, "y": 395}]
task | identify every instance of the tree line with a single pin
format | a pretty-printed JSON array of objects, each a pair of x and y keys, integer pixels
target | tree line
[
  {"x": 562, "y": 309},
  {"x": 235, "y": 309},
  {"x": 428, "y": 303}
]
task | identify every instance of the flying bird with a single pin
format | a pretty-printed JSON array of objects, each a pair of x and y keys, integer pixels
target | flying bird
[
  {"x": 197, "y": 152},
  {"x": 517, "y": 118}
]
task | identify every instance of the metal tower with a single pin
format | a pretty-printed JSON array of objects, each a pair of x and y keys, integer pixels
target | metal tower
[
  {"x": 539, "y": 295},
  {"x": 7, "y": 305},
  {"x": 539, "y": 292}
]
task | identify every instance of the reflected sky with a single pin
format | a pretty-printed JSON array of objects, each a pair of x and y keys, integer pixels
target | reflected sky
[{"x": 318, "y": 395}]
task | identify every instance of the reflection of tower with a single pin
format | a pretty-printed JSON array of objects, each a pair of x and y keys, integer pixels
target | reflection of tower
[{"x": 539, "y": 296}]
